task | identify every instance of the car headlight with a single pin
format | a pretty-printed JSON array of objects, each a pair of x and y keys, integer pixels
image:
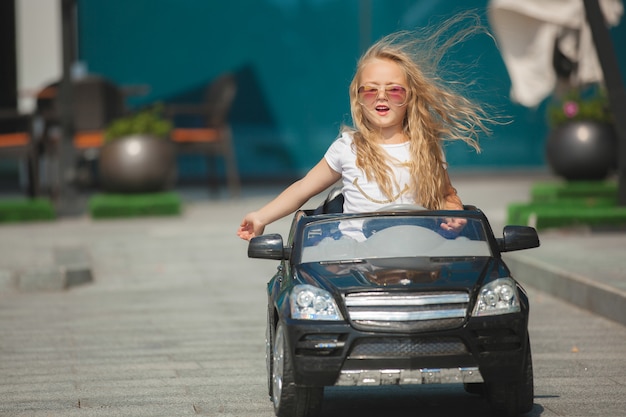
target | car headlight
[
  {"x": 497, "y": 297},
  {"x": 312, "y": 303}
]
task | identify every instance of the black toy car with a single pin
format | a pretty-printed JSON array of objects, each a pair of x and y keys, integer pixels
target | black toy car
[{"x": 390, "y": 298}]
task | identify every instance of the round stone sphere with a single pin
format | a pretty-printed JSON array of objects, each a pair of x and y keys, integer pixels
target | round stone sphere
[
  {"x": 582, "y": 150},
  {"x": 137, "y": 164}
]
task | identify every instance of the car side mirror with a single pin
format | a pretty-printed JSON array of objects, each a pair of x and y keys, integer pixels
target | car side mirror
[
  {"x": 267, "y": 247},
  {"x": 518, "y": 238}
]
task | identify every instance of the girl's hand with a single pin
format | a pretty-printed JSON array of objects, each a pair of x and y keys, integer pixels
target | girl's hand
[
  {"x": 453, "y": 202},
  {"x": 250, "y": 227},
  {"x": 453, "y": 224}
]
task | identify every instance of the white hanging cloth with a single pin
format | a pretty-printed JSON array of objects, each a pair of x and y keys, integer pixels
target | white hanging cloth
[{"x": 526, "y": 31}]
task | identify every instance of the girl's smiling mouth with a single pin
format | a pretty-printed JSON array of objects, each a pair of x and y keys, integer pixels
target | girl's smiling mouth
[{"x": 381, "y": 108}]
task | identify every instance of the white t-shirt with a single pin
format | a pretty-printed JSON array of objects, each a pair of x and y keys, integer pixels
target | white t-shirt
[{"x": 360, "y": 195}]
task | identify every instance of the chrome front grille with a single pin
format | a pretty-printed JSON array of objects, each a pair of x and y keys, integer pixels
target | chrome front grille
[{"x": 413, "y": 311}]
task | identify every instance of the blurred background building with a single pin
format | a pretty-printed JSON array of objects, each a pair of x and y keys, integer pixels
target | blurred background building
[{"x": 293, "y": 60}]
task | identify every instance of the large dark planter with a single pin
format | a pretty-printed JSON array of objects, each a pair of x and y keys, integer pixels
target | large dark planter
[
  {"x": 582, "y": 150},
  {"x": 137, "y": 164}
]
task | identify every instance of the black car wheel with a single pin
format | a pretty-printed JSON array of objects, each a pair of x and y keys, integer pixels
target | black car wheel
[
  {"x": 269, "y": 341},
  {"x": 511, "y": 400},
  {"x": 477, "y": 388},
  {"x": 527, "y": 388},
  {"x": 290, "y": 400}
]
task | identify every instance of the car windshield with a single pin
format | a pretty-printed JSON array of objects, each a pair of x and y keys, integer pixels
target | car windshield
[{"x": 355, "y": 238}]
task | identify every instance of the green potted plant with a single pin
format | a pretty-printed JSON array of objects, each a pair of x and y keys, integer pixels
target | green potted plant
[
  {"x": 582, "y": 143},
  {"x": 138, "y": 155},
  {"x": 149, "y": 121},
  {"x": 580, "y": 105}
]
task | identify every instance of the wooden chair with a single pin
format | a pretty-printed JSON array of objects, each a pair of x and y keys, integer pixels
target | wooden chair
[
  {"x": 96, "y": 102},
  {"x": 17, "y": 142},
  {"x": 213, "y": 138}
]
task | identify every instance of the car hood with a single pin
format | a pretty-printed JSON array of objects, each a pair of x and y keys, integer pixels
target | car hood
[{"x": 395, "y": 273}]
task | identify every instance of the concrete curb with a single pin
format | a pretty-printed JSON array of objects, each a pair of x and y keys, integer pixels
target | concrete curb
[
  {"x": 583, "y": 292},
  {"x": 71, "y": 267}
]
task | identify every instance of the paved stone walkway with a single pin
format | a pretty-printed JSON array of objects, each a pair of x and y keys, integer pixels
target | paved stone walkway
[{"x": 173, "y": 323}]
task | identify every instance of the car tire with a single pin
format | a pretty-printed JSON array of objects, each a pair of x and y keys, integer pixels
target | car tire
[
  {"x": 526, "y": 392},
  {"x": 477, "y": 388},
  {"x": 269, "y": 342},
  {"x": 511, "y": 400},
  {"x": 289, "y": 399}
]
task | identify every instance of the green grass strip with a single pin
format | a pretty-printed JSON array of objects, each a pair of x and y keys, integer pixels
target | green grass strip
[
  {"x": 545, "y": 216},
  {"x": 22, "y": 210},
  {"x": 103, "y": 206},
  {"x": 570, "y": 203},
  {"x": 575, "y": 192}
]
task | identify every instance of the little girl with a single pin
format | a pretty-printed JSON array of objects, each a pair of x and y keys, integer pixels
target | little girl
[{"x": 393, "y": 154}]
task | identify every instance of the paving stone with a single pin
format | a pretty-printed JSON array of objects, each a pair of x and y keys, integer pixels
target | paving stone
[
  {"x": 8, "y": 280},
  {"x": 173, "y": 324},
  {"x": 48, "y": 279}
]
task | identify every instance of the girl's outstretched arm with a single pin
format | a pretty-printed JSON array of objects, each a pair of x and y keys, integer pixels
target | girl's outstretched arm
[
  {"x": 319, "y": 178},
  {"x": 453, "y": 202}
]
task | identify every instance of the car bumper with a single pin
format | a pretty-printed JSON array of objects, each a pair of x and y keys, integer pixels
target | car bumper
[{"x": 486, "y": 349}]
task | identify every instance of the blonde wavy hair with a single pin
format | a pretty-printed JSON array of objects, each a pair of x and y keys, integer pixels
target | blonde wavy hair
[{"x": 434, "y": 113}]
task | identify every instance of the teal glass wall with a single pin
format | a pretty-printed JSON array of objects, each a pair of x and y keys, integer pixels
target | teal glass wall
[{"x": 294, "y": 60}]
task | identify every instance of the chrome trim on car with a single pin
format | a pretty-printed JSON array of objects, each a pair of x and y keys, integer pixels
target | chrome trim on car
[
  {"x": 406, "y": 316},
  {"x": 386, "y": 307},
  {"x": 409, "y": 376},
  {"x": 368, "y": 299}
]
